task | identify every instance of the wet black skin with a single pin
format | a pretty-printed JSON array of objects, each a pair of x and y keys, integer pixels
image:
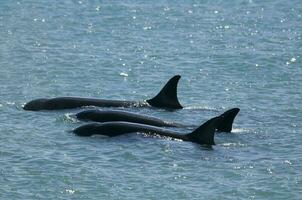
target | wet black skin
[
  {"x": 115, "y": 115},
  {"x": 166, "y": 98},
  {"x": 203, "y": 135}
]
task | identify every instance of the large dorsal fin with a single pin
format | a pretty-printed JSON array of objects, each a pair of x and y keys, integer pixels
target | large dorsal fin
[
  {"x": 226, "y": 123},
  {"x": 204, "y": 134},
  {"x": 167, "y": 97}
]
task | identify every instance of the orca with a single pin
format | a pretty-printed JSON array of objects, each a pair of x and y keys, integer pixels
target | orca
[
  {"x": 166, "y": 98},
  {"x": 203, "y": 135},
  {"x": 116, "y": 115},
  {"x": 96, "y": 115}
]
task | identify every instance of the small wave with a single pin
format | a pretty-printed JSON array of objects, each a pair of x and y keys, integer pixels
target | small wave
[
  {"x": 201, "y": 108},
  {"x": 123, "y": 74},
  {"x": 231, "y": 144},
  {"x": 288, "y": 162},
  {"x": 150, "y": 135},
  {"x": 69, "y": 117},
  {"x": 10, "y": 103},
  {"x": 69, "y": 191}
]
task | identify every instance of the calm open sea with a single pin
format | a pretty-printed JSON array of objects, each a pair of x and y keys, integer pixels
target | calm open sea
[{"x": 240, "y": 53}]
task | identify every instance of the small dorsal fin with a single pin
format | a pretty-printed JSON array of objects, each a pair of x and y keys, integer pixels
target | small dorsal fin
[
  {"x": 204, "y": 134},
  {"x": 228, "y": 117},
  {"x": 167, "y": 97}
]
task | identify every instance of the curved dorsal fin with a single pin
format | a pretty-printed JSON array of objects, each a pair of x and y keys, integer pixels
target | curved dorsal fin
[
  {"x": 204, "y": 134},
  {"x": 167, "y": 97},
  {"x": 228, "y": 117}
]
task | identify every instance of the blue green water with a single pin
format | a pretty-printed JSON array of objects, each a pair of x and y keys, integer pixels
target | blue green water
[{"x": 241, "y": 53}]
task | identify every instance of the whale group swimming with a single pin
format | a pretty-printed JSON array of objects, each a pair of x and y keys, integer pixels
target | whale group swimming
[{"x": 114, "y": 122}]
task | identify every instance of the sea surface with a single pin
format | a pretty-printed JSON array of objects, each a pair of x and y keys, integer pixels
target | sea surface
[{"x": 240, "y": 53}]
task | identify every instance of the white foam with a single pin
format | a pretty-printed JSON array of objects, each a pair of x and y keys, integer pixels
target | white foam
[
  {"x": 70, "y": 117},
  {"x": 239, "y": 130},
  {"x": 123, "y": 74}
]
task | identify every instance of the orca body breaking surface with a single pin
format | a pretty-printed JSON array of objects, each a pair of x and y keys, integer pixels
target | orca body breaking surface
[
  {"x": 203, "y": 135},
  {"x": 115, "y": 115},
  {"x": 166, "y": 98}
]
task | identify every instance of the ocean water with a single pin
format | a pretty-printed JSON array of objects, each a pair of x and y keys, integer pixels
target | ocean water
[{"x": 241, "y": 53}]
